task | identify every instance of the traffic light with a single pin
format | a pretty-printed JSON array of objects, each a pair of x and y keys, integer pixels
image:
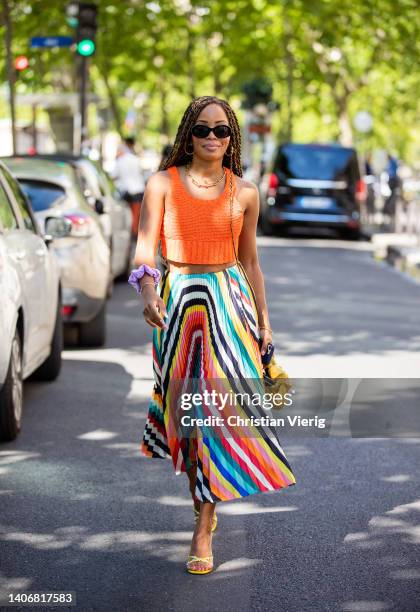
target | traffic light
[
  {"x": 21, "y": 63},
  {"x": 86, "y": 29},
  {"x": 72, "y": 12}
]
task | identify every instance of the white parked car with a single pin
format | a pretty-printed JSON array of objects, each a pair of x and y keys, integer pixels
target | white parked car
[
  {"x": 79, "y": 243},
  {"x": 31, "y": 331},
  {"x": 102, "y": 195}
]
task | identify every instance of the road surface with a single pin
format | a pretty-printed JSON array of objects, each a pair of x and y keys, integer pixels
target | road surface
[{"x": 83, "y": 511}]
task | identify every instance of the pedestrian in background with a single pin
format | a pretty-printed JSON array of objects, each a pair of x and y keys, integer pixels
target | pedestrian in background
[
  {"x": 394, "y": 185},
  {"x": 129, "y": 178},
  {"x": 370, "y": 180},
  {"x": 209, "y": 321}
]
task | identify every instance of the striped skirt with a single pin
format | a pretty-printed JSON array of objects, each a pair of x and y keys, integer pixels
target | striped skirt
[{"x": 211, "y": 335}]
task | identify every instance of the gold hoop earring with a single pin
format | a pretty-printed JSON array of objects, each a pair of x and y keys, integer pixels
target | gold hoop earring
[{"x": 187, "y": 152}]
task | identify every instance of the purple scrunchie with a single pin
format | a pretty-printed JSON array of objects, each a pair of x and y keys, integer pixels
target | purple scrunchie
[{"x": 136, "y": 275}]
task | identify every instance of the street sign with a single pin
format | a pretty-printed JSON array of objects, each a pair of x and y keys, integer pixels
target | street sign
[{"x": 51, "y": 41}]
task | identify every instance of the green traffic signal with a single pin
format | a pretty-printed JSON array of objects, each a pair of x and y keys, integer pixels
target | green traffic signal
[
  {"x": 86, "y": 47},
  {"x": 72, "y": 21}
]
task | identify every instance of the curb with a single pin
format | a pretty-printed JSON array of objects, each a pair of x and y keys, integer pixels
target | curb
[
  {"x": 405, "y": 255},
  {"x": 405, "y": 259}
]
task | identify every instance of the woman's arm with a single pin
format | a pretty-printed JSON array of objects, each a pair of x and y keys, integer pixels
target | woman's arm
[
  {"x": 248, "y": 256},
  {"x": 151, "y": 216},
  {"x": 150, "y": 220}
]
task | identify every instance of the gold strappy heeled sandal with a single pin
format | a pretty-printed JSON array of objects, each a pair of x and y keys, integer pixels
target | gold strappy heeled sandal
[
  {"x": 213, "y": 522},
  {"x": 193, "y": 559}
]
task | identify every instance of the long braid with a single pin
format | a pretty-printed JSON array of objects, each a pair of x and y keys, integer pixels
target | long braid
[{"x": 178, "y": 156}]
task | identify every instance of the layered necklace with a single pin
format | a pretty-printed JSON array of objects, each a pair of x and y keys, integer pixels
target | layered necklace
[{"x": 203, "y": 185}]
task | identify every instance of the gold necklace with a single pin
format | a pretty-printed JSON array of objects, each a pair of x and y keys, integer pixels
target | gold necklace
[{"x": 198, "y": 184}]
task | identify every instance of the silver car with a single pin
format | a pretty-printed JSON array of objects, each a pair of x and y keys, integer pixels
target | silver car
[
  {"x": 98, "y": 187},
  {"x": 82, "y": 248},
  {"x": 31, "y": 331},
  {"x": 102, "y": 195}
]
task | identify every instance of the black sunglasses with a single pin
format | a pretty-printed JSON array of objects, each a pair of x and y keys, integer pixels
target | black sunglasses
[{"x": 202, "y": 131}]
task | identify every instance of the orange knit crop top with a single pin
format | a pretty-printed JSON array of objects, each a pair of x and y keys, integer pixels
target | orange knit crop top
[{"x": 197, "y": 231}]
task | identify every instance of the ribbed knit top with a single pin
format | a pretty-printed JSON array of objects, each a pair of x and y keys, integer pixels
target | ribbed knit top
[{"x": 197, "y": 231}]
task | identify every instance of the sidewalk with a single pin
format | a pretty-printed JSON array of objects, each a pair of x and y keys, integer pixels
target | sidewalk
[{"x": 400, "y": 250}]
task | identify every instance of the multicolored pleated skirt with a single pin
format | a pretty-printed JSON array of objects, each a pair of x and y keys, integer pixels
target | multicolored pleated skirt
[{"x": 212, "y": 335}]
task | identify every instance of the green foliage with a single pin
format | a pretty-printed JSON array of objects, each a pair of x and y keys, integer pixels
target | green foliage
[{"x": 325, "y": 61}]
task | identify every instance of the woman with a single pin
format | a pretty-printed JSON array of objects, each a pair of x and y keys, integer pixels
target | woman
[{"x": 205, "y": 319}]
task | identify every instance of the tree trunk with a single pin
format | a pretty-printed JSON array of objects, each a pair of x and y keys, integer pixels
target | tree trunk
[
  {"x": 217, "y": 84},
  {"x": 190, "y": 64},
  {"x": 10, "y": 70},
  {"x": 113, "y": 104},
  {"x": 164, "y": 125},
  {"x": 344, "y": 124},
  {"x": 289, "y": 61}
]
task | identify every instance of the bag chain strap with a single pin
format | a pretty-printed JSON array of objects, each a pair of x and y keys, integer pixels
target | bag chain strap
[{"x": 238, "y": 263}]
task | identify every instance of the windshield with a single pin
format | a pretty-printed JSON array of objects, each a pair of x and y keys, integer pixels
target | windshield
[
  {"x": 42, "y": 195},
  {"x": 316, "y": 162}
]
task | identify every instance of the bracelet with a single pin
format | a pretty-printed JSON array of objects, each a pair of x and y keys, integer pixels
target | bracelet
[
  {"x": 136, "y": 275},
  {"x": 144, "y": 284},
  {"x": 266, "y": 328}
]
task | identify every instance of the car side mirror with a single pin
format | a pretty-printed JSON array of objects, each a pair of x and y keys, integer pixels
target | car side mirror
[
  {"x": 99, "y": 207},
  {"x": 56, "y": 227}
]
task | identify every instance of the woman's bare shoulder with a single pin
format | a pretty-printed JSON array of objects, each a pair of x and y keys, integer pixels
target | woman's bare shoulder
[
  {"x": 158, "y": 181},
  {"x": 245, "y": 183},
  {"x": 247, "y": 191}
]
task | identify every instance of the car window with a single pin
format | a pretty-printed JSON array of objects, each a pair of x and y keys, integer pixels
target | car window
[
  {"x": 103, "y": 182},
  {"x": 42, "y": 195},
  {"x": 312, "y": 162},
  {"x": 21, "y": 202},
  {"x": 7, "y": 215},
  {"x": 91, "y": 178},
  {"x": 81, "y": 179}
]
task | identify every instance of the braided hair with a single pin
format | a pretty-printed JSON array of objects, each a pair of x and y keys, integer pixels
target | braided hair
[{"x": 179, "y": 156}]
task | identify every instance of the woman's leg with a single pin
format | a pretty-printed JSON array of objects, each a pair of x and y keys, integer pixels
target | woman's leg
[
  {"x": 192, "y": 476},
  {"x": 201, "y": 541}
]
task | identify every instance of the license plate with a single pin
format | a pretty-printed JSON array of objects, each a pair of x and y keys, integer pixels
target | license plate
[{"x": 308, "y": 202}]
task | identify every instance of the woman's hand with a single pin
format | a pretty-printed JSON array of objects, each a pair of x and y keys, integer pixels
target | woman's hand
[
  {"x": 266, "y": 336},
  {"x": 154, "y": 310}
]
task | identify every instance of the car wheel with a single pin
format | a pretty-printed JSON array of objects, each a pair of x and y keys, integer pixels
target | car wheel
[
  {"x": 51, "y": 367},
  {"x": 93, "y": 333},
  {"x": 11, "y": 394},
  {"x": 353, "y": 234}
]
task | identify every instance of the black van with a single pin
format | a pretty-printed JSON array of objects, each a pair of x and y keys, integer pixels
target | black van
[{"x": 313, "y": 185}]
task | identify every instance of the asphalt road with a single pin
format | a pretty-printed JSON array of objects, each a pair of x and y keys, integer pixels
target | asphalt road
[{"x": 83, "y": 511}]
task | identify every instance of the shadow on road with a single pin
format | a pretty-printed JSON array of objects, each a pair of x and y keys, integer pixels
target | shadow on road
[
  {"x": 338, "y": 301},
  {"x": 83, "y": 511}
]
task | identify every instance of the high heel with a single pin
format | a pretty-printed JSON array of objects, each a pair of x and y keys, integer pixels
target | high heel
[
  {"x": 193, "y": 559},
  {"x": 213, "y": 522}
]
